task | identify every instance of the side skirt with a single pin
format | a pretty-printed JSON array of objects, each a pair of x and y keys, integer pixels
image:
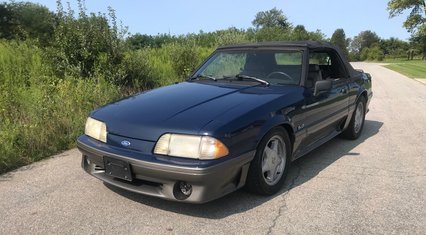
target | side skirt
[{"x": 316, "y": 144}]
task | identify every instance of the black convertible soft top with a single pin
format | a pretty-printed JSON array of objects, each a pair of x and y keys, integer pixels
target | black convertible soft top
[
  {"x": 308, "y": 44},
  {"x": 311, "y": 45}
]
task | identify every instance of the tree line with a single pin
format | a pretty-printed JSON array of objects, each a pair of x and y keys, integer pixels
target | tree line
[
  {"x": 86, "y": 45},
  {"x": 82, "y": 41}
]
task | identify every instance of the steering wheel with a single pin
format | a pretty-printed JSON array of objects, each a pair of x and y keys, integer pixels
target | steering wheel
[{"x": 284, "y": 75}]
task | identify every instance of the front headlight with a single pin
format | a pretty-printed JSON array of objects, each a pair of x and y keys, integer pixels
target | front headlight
[
  {"x": 190, "y": 146},
  {"x": 95, "y": 129}
]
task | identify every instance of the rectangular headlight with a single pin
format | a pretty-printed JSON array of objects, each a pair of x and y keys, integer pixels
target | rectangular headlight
[
  {"x": 190, "y": 146},
  {"x": 95, "y": 129}
]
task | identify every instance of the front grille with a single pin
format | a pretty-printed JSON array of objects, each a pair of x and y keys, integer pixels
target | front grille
[{"x": 99, "y": 168}]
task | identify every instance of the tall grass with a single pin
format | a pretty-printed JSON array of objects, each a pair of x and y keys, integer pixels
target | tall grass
[{"x": 41, "y": 114}]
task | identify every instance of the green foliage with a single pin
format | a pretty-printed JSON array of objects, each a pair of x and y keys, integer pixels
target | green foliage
[
  {"x": 273, "y": 25},
  {"x": 373, "y": 53},
  {"x": 300, "y": 33},
  {"x": 41, "y": 114},
  {"x": 362, "y": 40},
  {"x": 273, "y": 18},
  {"x": 185, "y": 57},
  {"x": 394, "y": 48},
  {"x": 339, "y": 39},
  {"x": 272, "y": 34},
  {"x": 277, "y": 34},
  {"x": 416, "y": 16},
  {"x": 368, "y": 46},
  {"x": 418, "y": 40},
  {"x": 7, "y": 26},
  {"x": 416, "y": 19},
  {"x": 139, "y": 41},
  {"x": 26, "y": 21},
  {"x": 228, "y": 37},
  {"x": 82, "y": 43}
]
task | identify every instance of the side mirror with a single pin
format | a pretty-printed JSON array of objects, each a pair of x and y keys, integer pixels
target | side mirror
[
  {"x": 368, "y": 75},
  {"x": 322, "y": 86}
]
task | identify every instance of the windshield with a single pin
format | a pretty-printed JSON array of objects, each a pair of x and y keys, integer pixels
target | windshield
[{"x": 272, "y": 66}]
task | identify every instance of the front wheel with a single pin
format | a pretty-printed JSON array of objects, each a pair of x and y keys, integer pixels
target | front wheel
[
  {"x": 357, "y": 121},
  {"x": 269, "y": 167}
]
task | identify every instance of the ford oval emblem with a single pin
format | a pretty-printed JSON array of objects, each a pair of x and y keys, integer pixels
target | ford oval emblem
[{"x": 125, "y": 143}]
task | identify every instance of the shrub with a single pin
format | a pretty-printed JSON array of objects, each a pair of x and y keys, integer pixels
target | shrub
[
  {"x": 82, "y": 43},
  {"x": 374, "y": 53},
  {"x": 185, "y": 56},
  {"x": 40, "y": 113}
]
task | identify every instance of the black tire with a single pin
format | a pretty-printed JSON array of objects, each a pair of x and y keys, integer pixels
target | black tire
[
  {"x": 258, "y": 181},
  {"x": 353, "y": 131}
]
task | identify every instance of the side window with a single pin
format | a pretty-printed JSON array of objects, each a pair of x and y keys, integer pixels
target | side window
[
  {"x": 287, "y": 58},
  {"x": 320, "y": 59},
  {"x": 329, "y": 63}
]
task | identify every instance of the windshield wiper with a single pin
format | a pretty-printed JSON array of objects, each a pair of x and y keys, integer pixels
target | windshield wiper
[
  {"x": 203, "y": 76},
  {"x": 242, "y": 76}
]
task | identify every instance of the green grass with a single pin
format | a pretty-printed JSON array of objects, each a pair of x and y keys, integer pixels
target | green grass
[{"x": 410, "y": 68}]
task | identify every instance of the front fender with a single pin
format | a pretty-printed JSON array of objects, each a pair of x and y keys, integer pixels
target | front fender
[{"x": 274, "y": 121}]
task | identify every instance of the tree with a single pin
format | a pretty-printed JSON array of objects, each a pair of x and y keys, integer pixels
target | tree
[
  {"x": 339, "y": 39},
  {"x": 6, "y": 21},
  {"x": 26, "y": 20},
  {"x": 273, "y": 18},
  {"x": 416, "y": 20},
  {"x": 373, "y": 53},
  {"x": 139, "y": 41},
  {"x": 300, "y": 33},
  {"x": 363, "y": 40},
  {"x": 85, "y": 44},
  {"x": 272, "y": 34},
  {"x": 417, "y": 44},
  {"x": 394, "y": 47},
  {"x": 228, "y": 37}
]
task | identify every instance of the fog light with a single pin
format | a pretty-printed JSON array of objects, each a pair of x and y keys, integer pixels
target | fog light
[
  {"x": 185, "y": 188},
  {"x": 182, "y": 190}
]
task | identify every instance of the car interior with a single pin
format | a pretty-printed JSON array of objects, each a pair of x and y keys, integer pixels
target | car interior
[
  {"x": 265, "y": 65},
  {"x": 324, "y": 65}
]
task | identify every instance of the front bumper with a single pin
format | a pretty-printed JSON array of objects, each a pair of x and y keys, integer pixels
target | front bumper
[{"x": 159, "y": 179}]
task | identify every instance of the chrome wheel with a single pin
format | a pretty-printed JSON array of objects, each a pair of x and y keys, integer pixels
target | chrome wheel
[
  {"x": 359, "y": 117},
  {"x": 274, "y": 160}
]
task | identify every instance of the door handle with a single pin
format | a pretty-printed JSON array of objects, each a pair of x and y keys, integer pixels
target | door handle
[{"x": 343, "y": 91}]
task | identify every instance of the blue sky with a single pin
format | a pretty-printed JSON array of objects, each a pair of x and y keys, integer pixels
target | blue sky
[{"x": 191, "y": 16}]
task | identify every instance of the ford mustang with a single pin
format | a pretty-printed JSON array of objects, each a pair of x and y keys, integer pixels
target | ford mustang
[{"x": 239, "y": 120}]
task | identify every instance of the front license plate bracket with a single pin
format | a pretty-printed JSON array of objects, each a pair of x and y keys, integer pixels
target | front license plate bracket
[{"x": 117, "y": 168}]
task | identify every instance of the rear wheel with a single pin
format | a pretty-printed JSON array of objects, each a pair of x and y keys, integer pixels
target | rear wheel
[
  {"x": 357, "y": 121},
  {"x": 269, "y": 167}
]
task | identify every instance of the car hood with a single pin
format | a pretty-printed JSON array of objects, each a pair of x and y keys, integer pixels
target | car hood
[{"x": 181, "y": 108}]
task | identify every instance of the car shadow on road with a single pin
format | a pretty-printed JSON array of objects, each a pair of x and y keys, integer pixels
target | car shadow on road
[{"x": 302, "y": 170}]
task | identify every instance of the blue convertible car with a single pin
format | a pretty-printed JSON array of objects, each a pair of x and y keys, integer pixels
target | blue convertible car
[{"x": 242, "y": 117}]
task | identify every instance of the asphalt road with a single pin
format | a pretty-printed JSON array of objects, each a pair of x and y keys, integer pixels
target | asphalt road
[{"x": 376, "y": 184}]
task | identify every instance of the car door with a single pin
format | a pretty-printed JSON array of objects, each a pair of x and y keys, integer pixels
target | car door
[{"x": 325, "y": 112}]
